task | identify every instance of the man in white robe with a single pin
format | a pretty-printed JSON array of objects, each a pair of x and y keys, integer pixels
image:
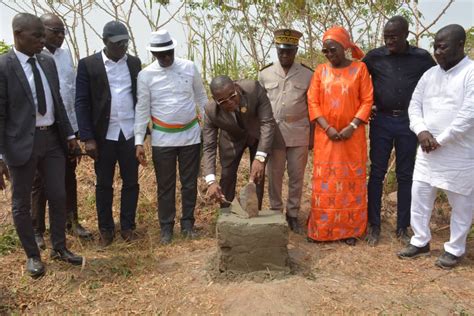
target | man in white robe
[{"x": 442, "y": 116}]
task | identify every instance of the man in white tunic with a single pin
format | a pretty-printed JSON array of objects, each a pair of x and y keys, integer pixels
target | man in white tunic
[
  {"x": 172, "y": 95},
  {"x": 442, "y": 116}
]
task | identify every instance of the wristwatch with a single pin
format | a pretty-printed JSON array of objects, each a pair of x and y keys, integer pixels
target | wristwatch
[
  {"x": 354, "y": 125},
  {"x": 260, "y": 158}
]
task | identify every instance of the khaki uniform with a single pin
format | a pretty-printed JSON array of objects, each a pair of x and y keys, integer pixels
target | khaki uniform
[{"x": 287, "y": 94}]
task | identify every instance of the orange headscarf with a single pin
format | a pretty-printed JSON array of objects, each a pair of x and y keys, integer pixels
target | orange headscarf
[{"x": 340, "y": 35}]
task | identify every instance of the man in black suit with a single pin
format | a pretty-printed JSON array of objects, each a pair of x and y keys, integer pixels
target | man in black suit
[
  {"x": 35, "y": 134},
  {"x": 106, "y": 94}
]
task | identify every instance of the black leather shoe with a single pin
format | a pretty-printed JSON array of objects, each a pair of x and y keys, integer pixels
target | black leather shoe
[
  {"x": 412, "y": 251},
  {"x": 166, "y": 236},
  {"x": 402, "y": 235},
  {"x": 128, "y": 235},
  {"x": 373, "y": 236},
  {"x": 293, "y": 224},
  {"x": 189, "y": 233},
  {"x": 40, "y": 241},
  {"x": 35, "y": 267},
  {"x": 106, "y": 238},
  {"x": 66, "y": 256},
  {"x": 447, "y": 260},
  {"x": 78, "y": 230}
]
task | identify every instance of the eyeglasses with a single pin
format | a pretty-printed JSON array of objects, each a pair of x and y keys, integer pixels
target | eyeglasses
[
  {"x": 57, "y": 30},
  {"x": 331, "y": 50},
  {"x": 233, "y": 95}
]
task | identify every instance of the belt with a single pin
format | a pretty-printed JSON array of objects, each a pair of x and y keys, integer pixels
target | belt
[
  {"x": 45, "y": 128},
  {"x": 172, "y": 128},
  {"x": 393, "y": 113}
]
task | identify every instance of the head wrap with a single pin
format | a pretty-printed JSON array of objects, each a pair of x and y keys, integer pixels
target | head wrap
[{"x": 340, "y": 35}]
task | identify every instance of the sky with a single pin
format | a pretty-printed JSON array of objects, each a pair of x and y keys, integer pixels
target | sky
[{"x": 460, "y": 12}]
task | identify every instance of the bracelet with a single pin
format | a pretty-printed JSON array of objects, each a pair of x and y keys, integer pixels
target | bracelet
[
  {"x": 354, "y": 125},
  {"x": 211, "y": 182},
  {"x": 328, "y": 127}
]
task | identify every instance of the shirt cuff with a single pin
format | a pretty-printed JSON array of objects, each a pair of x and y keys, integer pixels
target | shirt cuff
[
  {"x": 261, "y": 153},
  {"x": 1, "y": 157},
  {"x": 418, "y": 128},
  {"x": 71, "y": 137},
  {"x": 442, "y": 138},
  {"x": 210, "y": 178},
  {"x": 139, "y": 139}
]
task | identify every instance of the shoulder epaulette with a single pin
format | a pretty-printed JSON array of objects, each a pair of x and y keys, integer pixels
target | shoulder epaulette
[
  {"x": 307, "y": 67},
  {"x": 265, "y": 67}
]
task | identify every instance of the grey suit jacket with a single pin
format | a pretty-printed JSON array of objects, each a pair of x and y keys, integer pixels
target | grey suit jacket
[
  {"x": 221, "y": 127},
  {"x": 18, "y": 111}
]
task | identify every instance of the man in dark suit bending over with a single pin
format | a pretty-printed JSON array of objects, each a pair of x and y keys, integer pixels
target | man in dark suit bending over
[
  {"x": 35, "y": 134},
  {"x": 239, "y": 116}
]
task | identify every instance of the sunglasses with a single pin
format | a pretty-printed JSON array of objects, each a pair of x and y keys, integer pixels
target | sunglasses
[
  {"x": 331, "y": 50},
  {"x": 57, "y": 30},
  {"x": 233, "y": 95}
]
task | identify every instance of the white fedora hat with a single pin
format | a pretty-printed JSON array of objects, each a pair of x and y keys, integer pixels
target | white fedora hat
[{"x": 161, "y": 41}]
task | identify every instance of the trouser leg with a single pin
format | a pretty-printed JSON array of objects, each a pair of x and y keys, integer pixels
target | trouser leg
[
  {"x": 297, "y": 158},
  {"x": 71, "y": 192},
  {"x": 22, "y": 180},
  {"x": 275, "y": 170},
  {"x": 105, "y": 170},
  {"x": 164, "y": 161},
  {"x": 228, "y": 179},
  {"x": 405, "y": 150},
  {"x": 461, "y": 221},
  {"x": 38, "y": 205},
  {"x": 52, "y": 170},
  {"x": 381, "y": 143},
  {"x": 129, "y": 173},
  {"x": 260, "y": 187},
  {"x": 422, "y": 202},
  {"x": 189, "y": 162}
]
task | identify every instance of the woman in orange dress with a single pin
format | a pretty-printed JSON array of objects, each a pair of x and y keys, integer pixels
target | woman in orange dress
[{"x": 340, "y": 101}]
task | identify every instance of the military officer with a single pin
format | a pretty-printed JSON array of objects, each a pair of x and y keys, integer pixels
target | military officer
[{"x": 286, "y": 83}]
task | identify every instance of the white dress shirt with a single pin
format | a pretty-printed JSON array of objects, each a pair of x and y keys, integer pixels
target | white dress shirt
[
  {"x": 48, "y": 118},
  {"x": 67, "y": 81},
  {"x": 443, "y": 104},
  {"x": 174, "y": 95},
  {"x": 121, "y": 106}
]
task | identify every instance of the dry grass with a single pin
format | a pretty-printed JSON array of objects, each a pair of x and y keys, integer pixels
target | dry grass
[{"x": 145, "y": 277}]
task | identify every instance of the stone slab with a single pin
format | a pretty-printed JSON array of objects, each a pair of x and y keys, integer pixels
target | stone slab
[{"x": 252, "y": 244}]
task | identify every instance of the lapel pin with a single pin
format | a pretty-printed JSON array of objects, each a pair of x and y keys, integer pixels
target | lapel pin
[{"x": 243, "y": 109}]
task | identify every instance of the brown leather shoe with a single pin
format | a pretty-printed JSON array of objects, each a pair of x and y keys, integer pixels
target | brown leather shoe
[
  {"x": 128, "y": 235},
  {"x": 106, "y": 238},
  {"x": 78, "y": 230}
]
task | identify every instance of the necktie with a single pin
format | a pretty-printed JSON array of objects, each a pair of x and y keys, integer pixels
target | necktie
[
  {"x": 238, "y": 117},
  {"x": 39, "y": 87}
]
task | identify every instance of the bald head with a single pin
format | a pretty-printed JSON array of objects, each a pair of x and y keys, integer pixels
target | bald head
[
  {"x": 449, "y": 45},
  {"x": 220, "y": 82},
  {"x": 400, "y": 21},
  {"x": 22, "y": 21},
  {"x": 49, "y": 18},
  {"x": 453, "y": 31}
]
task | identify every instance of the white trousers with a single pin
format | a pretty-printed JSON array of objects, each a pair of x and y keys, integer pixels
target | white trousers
[{"x": 422, "y": 202}]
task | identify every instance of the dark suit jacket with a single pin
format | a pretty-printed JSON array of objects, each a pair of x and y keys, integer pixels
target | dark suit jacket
[
  {"x": 93, "y": 95},
  {"x": 258, "y": 121},
  {"x": 18, "y": 110}
]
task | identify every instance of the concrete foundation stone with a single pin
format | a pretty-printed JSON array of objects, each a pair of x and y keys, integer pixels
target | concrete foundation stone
[{"x": 252, "y": 244}]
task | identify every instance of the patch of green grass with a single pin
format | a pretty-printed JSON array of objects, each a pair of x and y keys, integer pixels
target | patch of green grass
[
  {"x": 121, "y": 270},
  {"x": 9, "y": 241}
]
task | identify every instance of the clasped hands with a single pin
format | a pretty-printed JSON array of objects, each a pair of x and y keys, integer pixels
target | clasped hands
[
  {"x": 344, "y": 134},
  {"x": 427, "y": 142}
]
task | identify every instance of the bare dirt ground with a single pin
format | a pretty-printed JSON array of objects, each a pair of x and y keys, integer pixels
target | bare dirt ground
[{"x": 145, "y": 277}]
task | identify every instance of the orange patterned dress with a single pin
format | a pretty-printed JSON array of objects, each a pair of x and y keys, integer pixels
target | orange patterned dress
[{"x": 339, "y": 199}]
